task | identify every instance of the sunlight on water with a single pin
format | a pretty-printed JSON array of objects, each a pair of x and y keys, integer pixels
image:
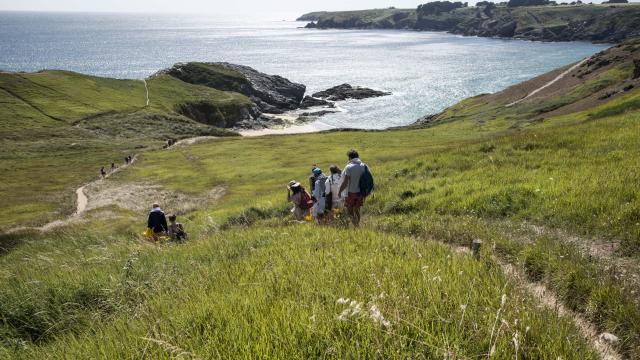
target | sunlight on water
[{"x": 426, "y": 71}]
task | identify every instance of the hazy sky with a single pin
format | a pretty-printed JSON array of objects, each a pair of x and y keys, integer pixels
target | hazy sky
[{"x": 253, "y": 7}]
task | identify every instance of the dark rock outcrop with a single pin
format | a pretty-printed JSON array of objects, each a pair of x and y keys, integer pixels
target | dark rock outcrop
[
  {"x": 309, "y": 101},
  {"x": 346, "y": 91},
  {"x": 227, "y": 116},
  {"x": 318, "y": 113},
  {"x": 636, "y": 70},
  {"x": 271, "y": 93}
]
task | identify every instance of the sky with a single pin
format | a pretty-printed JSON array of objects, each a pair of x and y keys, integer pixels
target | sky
[{"x": 253, "y": 7}]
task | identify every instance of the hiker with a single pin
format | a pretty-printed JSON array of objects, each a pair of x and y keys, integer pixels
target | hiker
[
  {"x": 176, "y": 230},
  {"x": 301, "y": 200},
  {"x": 319, "y": 204},
  {"x": 355, "y": 176},
  {"x": 334, "y": 198},
  {"x": 157, "y": 222},
  {"x": 103, "y": 173},
  {"x": 126, "y": 160},
  {"x": 113, "y": 167},
  {"x": 313, "y": 178}
]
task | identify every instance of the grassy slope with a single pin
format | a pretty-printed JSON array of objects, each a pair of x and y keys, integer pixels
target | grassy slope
[
  {"x": 59, "y": 128},
  {"x": 251, "y": 284},
  {"x": 241, "y": 291}
]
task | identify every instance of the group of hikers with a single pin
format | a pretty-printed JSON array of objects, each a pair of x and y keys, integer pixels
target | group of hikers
[
  {"x": 157, "y": 226},
  {"x": 127, "y": 160},
  {"x": 345, "y": 189}
]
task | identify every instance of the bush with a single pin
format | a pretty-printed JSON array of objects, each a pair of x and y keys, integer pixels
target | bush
[
  {"x": 516, "y": 3},
  {"x": 438, "y": 7}
]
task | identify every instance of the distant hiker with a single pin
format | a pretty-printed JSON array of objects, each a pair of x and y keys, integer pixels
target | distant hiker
[
  {"x": 334, "y": 198},
  {"x": 113, "y": 166},
  {"x": 313, "y": 178},
  {"x": 157, "y": 222},
  {"x": 319, "y": 204},
  {"x": 176, "y": 230},
  {"x": 126, "y": 160},
  {"x": 103, "y": 173},
  {"x": 358, "y": 181},
  {"x": 301, "y": 200}
]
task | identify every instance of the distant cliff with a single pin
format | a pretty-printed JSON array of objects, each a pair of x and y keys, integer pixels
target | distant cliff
[{"x": 597, "y": 23}]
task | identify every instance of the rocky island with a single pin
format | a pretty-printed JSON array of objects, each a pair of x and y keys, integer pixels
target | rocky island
[{"x": 531, "y": 20}]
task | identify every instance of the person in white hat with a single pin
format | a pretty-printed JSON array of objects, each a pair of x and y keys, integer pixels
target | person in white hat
[{"x": 302, "y": 202}]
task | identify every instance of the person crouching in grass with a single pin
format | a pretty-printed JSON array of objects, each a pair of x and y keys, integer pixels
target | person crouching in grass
[
  {"x": 157, "y": 222},
  {"x": 176, "y": 230},
  {"x": 301, "y": 200}
]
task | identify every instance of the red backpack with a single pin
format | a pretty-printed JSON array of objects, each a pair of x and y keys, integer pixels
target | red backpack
[{"x": 305, "y": 200}]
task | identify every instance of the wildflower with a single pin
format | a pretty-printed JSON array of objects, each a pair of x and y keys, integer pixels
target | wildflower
[
  {"x": 504, "y": 299},
  {"x": 377, "y": 317},
  {"x": 608, "y": 337},
  {"x": 356, "y": 309},
  {"x": 343, "y": 301},
  {"x": 463, "y": 307},
  {"x": 344, "y": 314}
]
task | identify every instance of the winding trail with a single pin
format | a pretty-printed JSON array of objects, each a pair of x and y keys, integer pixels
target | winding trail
[
  {"x": 81, "y": 204},
  {"x": 556, "y": 79},
  {"x": 146, "y": 89},
  {"x": 549, "y": 300},
  {"x": 546, "y": 298}
]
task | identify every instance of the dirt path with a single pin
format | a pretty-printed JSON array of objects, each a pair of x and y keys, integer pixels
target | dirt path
[
  {"x": 549, "y": 300},
  {"x": 556, "y": 79},
  {"x": 82, "y": 202},
  {"x": 191, "y": 141},
  {"x": 146, "y": 89}
]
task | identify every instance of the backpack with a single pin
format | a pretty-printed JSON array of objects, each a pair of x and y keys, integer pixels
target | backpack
[
  {"x": 306, "y": 202},
  {"x": 366, "y": 182}
]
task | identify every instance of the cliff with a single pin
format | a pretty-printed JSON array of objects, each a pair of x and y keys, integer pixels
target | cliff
[{"x": 597, "y": 23}]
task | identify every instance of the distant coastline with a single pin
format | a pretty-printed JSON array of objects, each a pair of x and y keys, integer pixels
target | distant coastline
[{"x": 610, "y": 23}]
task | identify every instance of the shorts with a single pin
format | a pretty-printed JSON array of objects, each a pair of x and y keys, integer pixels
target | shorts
[{"x": 354, "y": 200}]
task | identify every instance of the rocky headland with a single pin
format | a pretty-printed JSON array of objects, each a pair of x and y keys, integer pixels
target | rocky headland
[
  {"x": 597, "y": 23},
  {"x": 276, "y": 101}
]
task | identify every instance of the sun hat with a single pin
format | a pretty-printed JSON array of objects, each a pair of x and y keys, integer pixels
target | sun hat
[{"x": 293, "y": 184}]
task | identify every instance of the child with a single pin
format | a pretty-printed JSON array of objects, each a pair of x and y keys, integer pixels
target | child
[{"x": 176, "y": 230}]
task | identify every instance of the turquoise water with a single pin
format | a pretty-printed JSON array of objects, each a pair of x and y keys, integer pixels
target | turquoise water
[{"x": 426, "y": 71}]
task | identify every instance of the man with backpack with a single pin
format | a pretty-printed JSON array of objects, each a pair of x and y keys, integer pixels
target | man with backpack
[{"x": 358, "y": 181}]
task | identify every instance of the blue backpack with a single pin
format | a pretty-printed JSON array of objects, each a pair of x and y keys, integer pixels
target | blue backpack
[{"x": 366, "y": 182}]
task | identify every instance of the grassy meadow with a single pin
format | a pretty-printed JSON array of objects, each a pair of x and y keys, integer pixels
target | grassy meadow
[
  {"x": 250, "y": 283},
  {"x": 550, "y": 186}
]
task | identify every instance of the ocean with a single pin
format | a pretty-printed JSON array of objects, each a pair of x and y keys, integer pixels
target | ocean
[{"x": 425, "y": 71}]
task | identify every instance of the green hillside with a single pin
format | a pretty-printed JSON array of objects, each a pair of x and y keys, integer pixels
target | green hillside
[
  {"x": 547, "y": 181},
  {"x": 59, "y": 128}
]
